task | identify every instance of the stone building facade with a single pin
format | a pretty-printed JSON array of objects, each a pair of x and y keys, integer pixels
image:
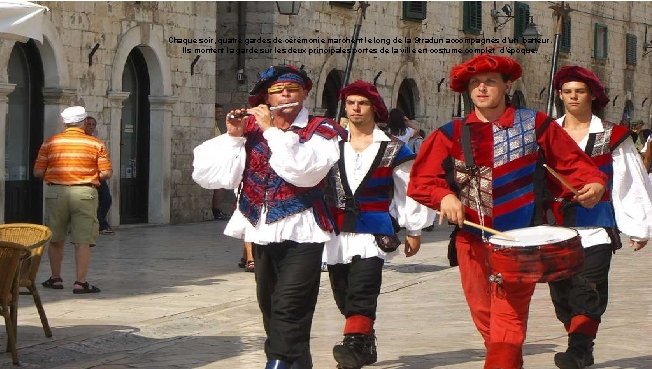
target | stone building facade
[
  {"x": 418, "y": 82},
  {"x": 152, "y": 101},
  {"x": 151, "y": 72}
]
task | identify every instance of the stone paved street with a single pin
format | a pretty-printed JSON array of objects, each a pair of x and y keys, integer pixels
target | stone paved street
[{"x": 173, "y": 297}]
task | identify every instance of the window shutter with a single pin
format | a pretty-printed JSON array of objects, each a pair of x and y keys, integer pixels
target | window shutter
[
  {"x": 414, "y": 10},
  {"x": 606, "y": 42},
  {"x": 600, "y": 41},
  {"x": 521, "y": 18},
  {"x": 565, "y": 45},
  {"x": 473, "y": 17},
  {"x": 342, "y": 4},
  {"x": 630, "y": 49}
]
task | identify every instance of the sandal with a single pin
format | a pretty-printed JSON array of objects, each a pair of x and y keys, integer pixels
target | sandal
[
  {"x": 85, "y": 288},
  {"x": 107, "y": 231},
  {"x": 54, "y": 283},
  {"x": 250, "y": 267}
]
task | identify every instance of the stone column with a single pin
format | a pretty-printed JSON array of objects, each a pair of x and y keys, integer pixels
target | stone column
[
  {"x": 5, "y": 89},
  {"x": 116, "y": 99},
  {"x": 160, "y": 158},
  {"x": 54, "y": 101}
]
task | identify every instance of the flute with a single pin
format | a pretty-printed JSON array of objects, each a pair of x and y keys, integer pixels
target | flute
[{"x": 244, "y": 114}]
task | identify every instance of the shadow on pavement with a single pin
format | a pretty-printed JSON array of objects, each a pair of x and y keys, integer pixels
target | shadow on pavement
[
  {"x": 446, "y": 359},
  {"x": 639, "y": 362},
  {"x": 122, "y": 346}
]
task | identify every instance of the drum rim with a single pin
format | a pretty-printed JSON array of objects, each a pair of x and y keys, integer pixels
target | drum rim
[{"x": 509, "y": 246}]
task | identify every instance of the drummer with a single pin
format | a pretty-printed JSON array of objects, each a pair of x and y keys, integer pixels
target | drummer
[
  {"x": 490, "y": 179},
  {"x": 580, "y": 301}
]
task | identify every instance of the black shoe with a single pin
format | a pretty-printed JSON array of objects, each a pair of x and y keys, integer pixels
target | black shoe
[
  {"x": 573, "y": 359},
  {"x": 220, "y": 215},
  {"x": 355, "y": 351}
]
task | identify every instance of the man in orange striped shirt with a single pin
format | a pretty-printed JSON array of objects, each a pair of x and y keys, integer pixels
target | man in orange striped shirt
[{"x": 72, "y": 164}]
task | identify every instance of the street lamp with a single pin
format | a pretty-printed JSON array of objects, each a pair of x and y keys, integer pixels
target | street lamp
[
  {"x": 531, "y": 36},
  {"x": 288, "y": 7}
]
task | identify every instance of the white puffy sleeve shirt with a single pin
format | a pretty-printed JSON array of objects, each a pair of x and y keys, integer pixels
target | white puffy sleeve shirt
[
  {"x": 631, "y": 192},
  {"x": 220, "y": 162},
  {"x": 409, "y": 213}
]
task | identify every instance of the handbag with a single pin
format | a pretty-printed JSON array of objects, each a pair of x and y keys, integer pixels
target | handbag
[{"x": 387, "y": 243}]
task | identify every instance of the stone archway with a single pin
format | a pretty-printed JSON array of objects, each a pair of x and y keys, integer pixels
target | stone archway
[
  {"x": 57, "y": 93},
  {"x": 148, "y": 39},
  {"x": 334, "y": 61},
  {"x": 408, "y": 72}
]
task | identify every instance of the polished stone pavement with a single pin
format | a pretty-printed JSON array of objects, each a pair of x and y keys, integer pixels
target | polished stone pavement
[{"x": 173, "y": 297}]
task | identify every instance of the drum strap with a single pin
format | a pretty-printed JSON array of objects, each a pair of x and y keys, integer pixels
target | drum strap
[{"x": 466, "y": 147}]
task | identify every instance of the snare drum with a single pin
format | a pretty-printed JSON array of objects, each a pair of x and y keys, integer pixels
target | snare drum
[{"x": 539, "y": 254}]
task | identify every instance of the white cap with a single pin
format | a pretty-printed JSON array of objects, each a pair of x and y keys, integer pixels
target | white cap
[{"x": 73, "y": 114}]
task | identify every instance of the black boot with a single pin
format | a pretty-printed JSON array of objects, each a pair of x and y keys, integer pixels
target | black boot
[
  {"x": 277, "y": 364},
  {"x": 355, "y": 351},
  {"x": 579, "y": 354},
  {"x": 304, "y": 362}
]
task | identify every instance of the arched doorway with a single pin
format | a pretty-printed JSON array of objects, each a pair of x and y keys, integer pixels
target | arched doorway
[
  {"x": 134, "y": 141},
  {"x": 406, "y": 101},
  {"x": 330, "y": 95},
  {"x": 24, "y": 135}
]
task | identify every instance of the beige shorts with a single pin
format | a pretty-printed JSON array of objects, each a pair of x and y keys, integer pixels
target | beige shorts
[{"x": 74, "y": 209}]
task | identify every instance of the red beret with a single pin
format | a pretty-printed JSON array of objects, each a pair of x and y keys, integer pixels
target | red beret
[
  {"x": 369, "y": 91},
  {"x": 575, "y": 73},
  {"x": 284, "y": 73},
  {"x": 462, "y": 73}
]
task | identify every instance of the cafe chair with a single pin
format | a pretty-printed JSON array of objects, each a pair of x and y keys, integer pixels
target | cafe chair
[
  {"x": 33, "y": 237},
  {"x": 11, "y": 255}
]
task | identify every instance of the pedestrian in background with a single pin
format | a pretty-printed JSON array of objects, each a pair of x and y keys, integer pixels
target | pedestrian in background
[
  {"x": 105, "y": 200},
  {"x": 72, "y": 164}
]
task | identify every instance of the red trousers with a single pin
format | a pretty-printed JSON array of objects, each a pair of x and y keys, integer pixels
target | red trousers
[{"x": 499, "y": 311}]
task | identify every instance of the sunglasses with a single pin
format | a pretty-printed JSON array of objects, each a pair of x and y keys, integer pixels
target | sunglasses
[{"x": 279, "y": 87}]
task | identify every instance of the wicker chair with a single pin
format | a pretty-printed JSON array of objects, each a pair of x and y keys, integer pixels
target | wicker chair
[
  {"x": 33, "y": 237},
  {"x": 11, "y": 256}
]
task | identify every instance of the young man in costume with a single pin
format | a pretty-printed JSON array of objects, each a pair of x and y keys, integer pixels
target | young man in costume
[
  {"x": 279, "y": 160},
  {"x": 369, "y": 179},
  {"x": 495, "y": 186},
  {"x": 581, "y": 301}
]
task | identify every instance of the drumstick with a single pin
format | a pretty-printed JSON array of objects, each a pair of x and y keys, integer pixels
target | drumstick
[
  {"x": 288, "y": 105},
  {"x": 562, "y": 180},
  {"x": 487, "y": 229}
]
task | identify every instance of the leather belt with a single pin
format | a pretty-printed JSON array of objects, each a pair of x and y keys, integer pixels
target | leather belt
[{"x": 76, "y": 184}]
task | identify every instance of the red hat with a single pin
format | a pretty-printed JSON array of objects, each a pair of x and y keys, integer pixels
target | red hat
[
  {"x": 575, "y": 73},
  {"x": 369, "y": 91},
  {"x": 279, "y": 73},
  {"x": 462, "y": 73}
]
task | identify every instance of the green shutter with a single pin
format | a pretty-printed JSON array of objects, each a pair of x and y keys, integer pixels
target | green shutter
[
  {"x": 606, "y": 42},
  {"x": 521, "y": 18},
  {"x": 600, "y": 38},
  {"x": 630, "y": 49},
  {"x": 565, "y": 44},
  {"x": 414, "y": 10},
  {"x": 473, "y": 17}
]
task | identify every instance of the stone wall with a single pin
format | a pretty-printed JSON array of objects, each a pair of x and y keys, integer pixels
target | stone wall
[
  {"x": 444, "y": 19},
  {"x": 181, "y": 103}
]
